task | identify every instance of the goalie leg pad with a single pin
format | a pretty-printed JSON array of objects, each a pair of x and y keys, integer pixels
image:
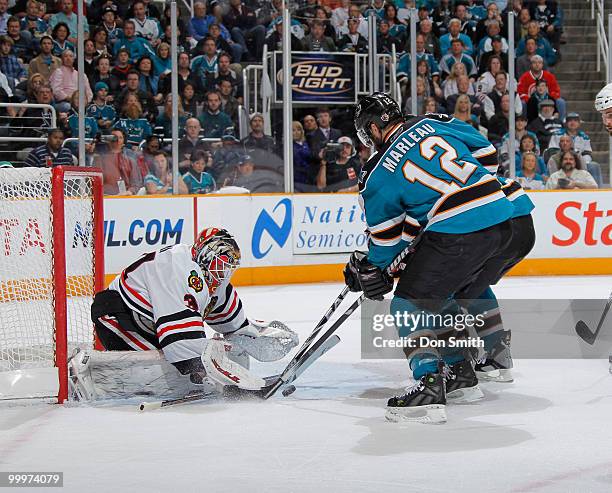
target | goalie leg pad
[
  {"x": 264, "y": 341},
  {"x": 99, "y": 375}
]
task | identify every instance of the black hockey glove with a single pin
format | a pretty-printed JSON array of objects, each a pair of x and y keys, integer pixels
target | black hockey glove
[
  {"x": 373, "y": 281},
  {"x": 351, "y": 278}
]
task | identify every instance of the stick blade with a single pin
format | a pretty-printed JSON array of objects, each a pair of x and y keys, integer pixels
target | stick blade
[
  {"x": 233, "y": 393},
  {"x": 585, "y": 333}
]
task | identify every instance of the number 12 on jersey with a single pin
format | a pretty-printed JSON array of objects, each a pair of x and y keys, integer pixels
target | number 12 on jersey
[{"x": 430, "y": 148}]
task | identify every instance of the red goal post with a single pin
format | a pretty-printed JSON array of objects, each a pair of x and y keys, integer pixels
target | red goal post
[{"x": 51, "y": 265}]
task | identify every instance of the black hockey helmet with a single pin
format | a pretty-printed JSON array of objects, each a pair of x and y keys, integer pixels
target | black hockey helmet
[{"x": 377, "y": 108}]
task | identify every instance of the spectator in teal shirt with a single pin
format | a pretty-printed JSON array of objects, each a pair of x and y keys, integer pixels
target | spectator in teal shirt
[
  {"x": 159, "y": 178},
  {"x": 165, "y": 119},
  {"x": 132, "y": 123},
  {"x": 215, "y": 123},
  {"x": 196, "y": 179},
  {"x": 68, "y": 17},
  {"x": 137, "y": 47},
  {"x": 103, "y": 113}
]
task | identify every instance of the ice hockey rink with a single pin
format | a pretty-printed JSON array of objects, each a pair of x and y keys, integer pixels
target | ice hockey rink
[{"x": 549, "y": 431}]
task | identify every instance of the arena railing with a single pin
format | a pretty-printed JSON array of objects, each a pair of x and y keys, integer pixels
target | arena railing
[
  {"x": 13, "y": 144},
  {"x": 598, "y": 15}
]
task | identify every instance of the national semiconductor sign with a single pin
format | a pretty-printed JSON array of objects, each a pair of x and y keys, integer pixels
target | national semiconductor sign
[{"x": 318, "y": 78}]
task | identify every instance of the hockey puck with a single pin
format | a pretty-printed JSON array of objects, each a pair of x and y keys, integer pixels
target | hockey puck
[{"x": 289, "y": 390}]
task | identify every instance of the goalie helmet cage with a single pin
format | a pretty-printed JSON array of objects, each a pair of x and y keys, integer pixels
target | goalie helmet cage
[{"x": 51, "y": 266}]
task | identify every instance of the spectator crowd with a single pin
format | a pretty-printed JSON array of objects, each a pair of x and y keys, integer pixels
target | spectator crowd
[{"x": 462, "y": 69}]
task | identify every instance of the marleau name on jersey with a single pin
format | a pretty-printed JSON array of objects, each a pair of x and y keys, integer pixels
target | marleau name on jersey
[{"x": 406, "y": 142}]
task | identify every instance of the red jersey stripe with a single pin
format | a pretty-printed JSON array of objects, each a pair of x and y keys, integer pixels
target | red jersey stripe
[
  {"x": 168, "y": 328},
  {"x": 116, "y": 325}
]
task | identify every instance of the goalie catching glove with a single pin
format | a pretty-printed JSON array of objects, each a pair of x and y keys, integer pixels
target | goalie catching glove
[
  {"x": 264, "y": 341},
  {"x": 361, "y": 275}
]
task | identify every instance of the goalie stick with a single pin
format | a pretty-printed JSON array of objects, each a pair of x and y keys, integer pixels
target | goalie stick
[
  {"x": 199, "y": 396},
  {"x": 586, "y": 334},
  {"x": 231, "y": 392}
]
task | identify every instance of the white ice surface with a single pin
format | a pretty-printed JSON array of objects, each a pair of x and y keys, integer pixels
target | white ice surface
[{"x": 550, "y": 431}]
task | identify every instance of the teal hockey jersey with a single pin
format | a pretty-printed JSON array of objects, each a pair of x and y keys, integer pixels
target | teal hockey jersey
[{"x": 433, "y": 172}]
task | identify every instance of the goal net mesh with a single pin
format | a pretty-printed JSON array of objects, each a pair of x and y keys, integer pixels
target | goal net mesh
[{"x": 28, "y": 325}]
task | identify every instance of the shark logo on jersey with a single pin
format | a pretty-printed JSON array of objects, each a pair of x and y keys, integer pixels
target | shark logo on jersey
[{"x": 195, "y": 282}]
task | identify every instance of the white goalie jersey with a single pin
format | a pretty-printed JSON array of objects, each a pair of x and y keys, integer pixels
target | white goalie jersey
[{"x": 170, "y": 300}]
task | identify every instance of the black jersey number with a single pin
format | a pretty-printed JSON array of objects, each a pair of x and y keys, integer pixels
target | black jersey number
[{"x": 147, "y": 257}]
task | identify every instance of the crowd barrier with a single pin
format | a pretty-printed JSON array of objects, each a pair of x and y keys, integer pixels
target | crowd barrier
[{"x": 307, "y": 238}]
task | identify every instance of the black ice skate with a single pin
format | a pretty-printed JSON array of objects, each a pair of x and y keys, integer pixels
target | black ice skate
[
  {"x": 461, "y": 383},
  {"x": 424, "y": 402},
  {"x": 497, "y": 364}
]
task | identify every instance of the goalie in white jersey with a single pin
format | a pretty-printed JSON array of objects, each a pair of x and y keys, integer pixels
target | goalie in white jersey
[{"x": 163, "y": 300}]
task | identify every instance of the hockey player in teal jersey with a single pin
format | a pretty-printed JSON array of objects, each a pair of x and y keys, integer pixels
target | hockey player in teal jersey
[{"x": 431, "y": 176}]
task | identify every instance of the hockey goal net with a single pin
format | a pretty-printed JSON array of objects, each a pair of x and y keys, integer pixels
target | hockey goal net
[{"x": 51, "y": 265}]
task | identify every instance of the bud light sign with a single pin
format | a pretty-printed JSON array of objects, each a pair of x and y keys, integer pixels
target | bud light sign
[{"x": 319, "y": 78}]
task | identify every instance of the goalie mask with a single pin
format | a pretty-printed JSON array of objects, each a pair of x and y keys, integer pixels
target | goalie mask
[{"x": 217, "y": 254}]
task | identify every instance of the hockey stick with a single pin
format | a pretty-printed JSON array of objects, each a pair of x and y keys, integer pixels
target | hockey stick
[
  {"x": 330, "y": 311},
  {"x": 313, "y": 354},
  {"x": 294, "y": 369},
  {"x": 290, "y": 372},
  {"x": 391, "y": 269},
  {"x": 150, "y": 406},
  {"x": 582, "y": 329}
]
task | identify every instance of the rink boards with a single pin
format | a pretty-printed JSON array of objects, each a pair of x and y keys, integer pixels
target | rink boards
[{"x": 288, "y": 238}]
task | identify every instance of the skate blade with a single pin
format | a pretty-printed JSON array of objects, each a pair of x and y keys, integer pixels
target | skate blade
[
  {"x": 465, "y": 396},
  {"x": 500, "y": 376},
  {"x": 431, "y": 414}
]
